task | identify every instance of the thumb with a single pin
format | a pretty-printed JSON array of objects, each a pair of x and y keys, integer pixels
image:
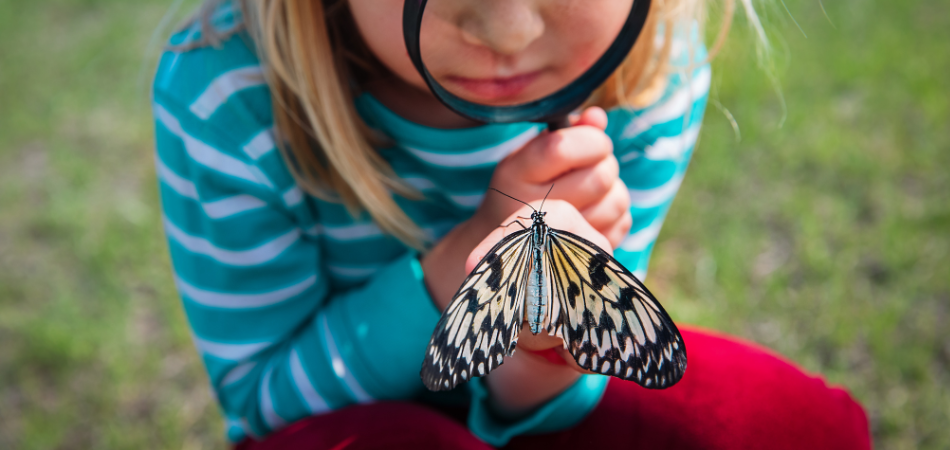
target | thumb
[{"x": 594, "y": 116}]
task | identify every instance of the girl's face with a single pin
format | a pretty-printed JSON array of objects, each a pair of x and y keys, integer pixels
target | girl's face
[{"x": 495, "y": 52}]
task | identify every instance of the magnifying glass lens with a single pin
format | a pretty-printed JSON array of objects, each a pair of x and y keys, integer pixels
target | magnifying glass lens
[
  {"x": 511, "y": 52},
  {"x": 519, "y": 60}
]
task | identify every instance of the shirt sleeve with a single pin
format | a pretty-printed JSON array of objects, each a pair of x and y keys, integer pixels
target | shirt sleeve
[
  {"x": 559, "y": 413},
  {"x": 653, "y": 146},
  {"x": 277, "y": 343}
]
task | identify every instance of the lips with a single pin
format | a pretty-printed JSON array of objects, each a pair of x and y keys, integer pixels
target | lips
[{"x": 491, "y": 89}]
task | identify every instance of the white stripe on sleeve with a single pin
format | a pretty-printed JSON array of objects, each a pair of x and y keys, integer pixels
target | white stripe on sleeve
[
  {"x": 649, "y": 198},
  {"x": 673, "y": 147},
  {"x": 640, "y": 240},
  {"x": 419, "y": 182},
  {"x": 315, "y": 403},
  {"x": 484, "y": 156},
  {"x": 352, "y": 232},
  {"x": 666, "y": 148},
  {"x": 223, "y": 87},
  {"x": 274, "y": 421},
  {"x": 255, "y": 256},
  {"x": 353, "y": 272},
  {"x": 179, "y": 184},
  {"x": 217, "y": 209},
  {"x": 292, "y": 197},
  {"x": 261, "y": 144},
  {"x": 229, "y": 206},
  {"x": 339, "y": 368},
  {"x": 238, "y": 372},
  {"x": 464, "y": 200},
  {"x": 230, "y": 352},
  {"x": 240, "y": 301},
  {"x": 207, "y": 155},
  {"x": 674, "y": 107}
]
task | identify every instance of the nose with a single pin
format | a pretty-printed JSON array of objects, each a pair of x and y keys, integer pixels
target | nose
[{"x": 507, "y": 27}]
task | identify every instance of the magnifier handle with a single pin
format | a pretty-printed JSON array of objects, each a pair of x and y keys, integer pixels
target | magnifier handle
[{"x": 558, "y": 123}]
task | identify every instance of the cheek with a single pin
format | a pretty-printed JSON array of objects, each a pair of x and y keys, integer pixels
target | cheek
[
  {"x": 380, "y": 24},
  {"x": 586, "y": 30}
]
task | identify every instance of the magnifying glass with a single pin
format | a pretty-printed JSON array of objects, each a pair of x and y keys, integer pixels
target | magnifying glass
[{"x": 519, "y": 60}]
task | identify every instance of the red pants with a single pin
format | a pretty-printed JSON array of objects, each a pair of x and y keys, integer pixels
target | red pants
[{"x": 733, "y": 396}]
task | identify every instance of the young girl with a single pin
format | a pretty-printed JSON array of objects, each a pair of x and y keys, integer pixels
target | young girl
[{"x": 322, "y": 207}]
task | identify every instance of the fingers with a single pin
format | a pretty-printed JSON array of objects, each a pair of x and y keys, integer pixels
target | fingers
[
  {"x": 619, "y": 231},
  {"x": 610, "y": 215},
  {"x": 609, "y": 207},
  {"x": 587, "y": 186},
  {"x": 551, "y": 155},
  {"x": 594, "y": 116},
  {"x": 562, "y": 215}
]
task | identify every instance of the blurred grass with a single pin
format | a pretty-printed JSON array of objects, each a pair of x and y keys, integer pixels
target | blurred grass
[
  {"x": 823, "y": 233},
  {"x": 94, "y": 348}
]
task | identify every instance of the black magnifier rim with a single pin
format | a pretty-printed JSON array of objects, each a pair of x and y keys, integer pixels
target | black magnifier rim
[{"x": 547, "y": 109}]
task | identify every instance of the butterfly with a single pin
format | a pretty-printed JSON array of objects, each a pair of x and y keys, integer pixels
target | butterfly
[{"x": 564, "y": 285}]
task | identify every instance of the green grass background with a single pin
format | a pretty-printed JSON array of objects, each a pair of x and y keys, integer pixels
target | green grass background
[{"x": 822, "y": 231}]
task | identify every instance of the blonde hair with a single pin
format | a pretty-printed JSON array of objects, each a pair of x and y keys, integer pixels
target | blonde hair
[{"x": 313, "y": 56}]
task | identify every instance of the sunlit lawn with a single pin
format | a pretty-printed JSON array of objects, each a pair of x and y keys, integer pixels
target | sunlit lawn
[{"x": 822, "y": 232}]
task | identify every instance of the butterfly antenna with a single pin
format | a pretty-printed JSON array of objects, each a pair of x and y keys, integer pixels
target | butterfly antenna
[
  {"x": 506, "y": 195},
  {"x": 546, "y": 197}
]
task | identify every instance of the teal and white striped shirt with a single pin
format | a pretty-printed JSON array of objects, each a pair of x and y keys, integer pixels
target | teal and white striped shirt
[{"x": 296, "y": 307}]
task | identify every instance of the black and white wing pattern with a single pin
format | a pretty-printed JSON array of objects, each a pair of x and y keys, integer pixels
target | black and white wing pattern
[
  {"x": 608, "y": 320},
  {"x": 481, "y": 325}
]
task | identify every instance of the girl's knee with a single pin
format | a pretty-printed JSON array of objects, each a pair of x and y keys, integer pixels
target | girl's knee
[
  {"x": 760, "y": 395},
  {"x": 373, "y": 426},
  {"x": 736, "y": 395}
]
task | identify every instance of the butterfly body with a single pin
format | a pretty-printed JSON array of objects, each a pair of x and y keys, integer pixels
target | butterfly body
[
  {"x": 537, "y": 300},
  {"x": 562, "y": 284}
]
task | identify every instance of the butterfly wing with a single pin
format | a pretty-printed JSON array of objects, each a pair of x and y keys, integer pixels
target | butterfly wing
[
  {"x": 480, "y": 327},
  {"x": 609, "y": 320}
]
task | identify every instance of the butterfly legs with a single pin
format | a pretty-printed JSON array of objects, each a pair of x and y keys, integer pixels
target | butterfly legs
[{"x": 517, "y": 222}]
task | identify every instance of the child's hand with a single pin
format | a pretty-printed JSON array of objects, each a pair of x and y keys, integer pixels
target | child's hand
[
  {"x": 586, "y": 177},
  {"x": 579, "y": 162},
  {"x": 542, "y": 367}
]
